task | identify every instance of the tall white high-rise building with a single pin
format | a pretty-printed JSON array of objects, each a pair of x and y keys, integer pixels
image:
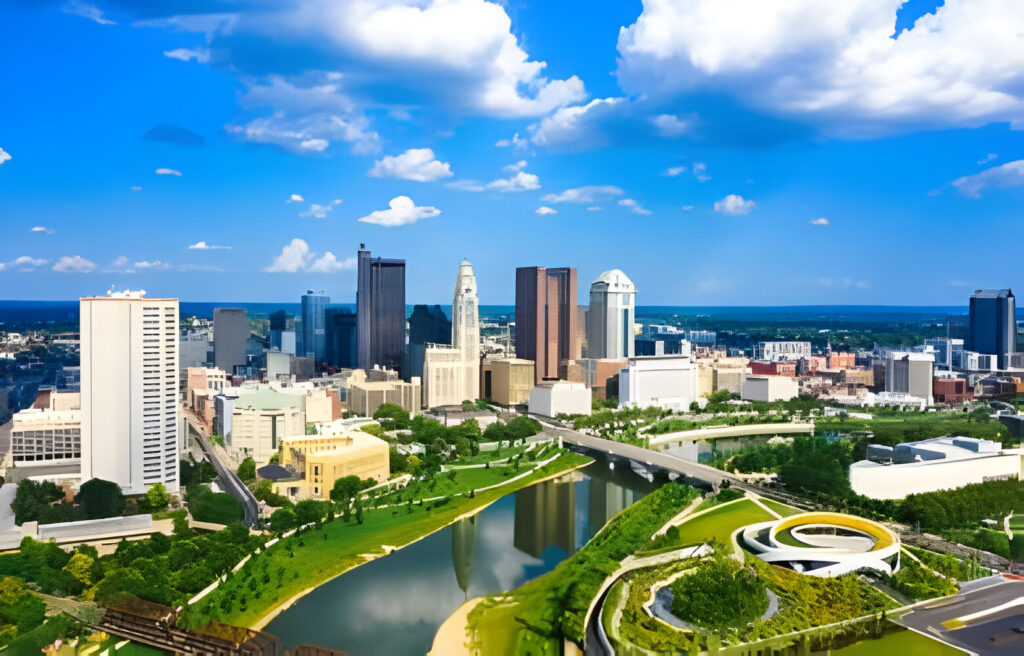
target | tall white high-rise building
[
  {"x": 451, "y": 374},
  {"x": 129, "y": 356},
  {"x": 611, "y": 318}
]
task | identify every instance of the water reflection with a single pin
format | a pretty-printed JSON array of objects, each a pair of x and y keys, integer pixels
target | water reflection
[{"x": 395, "y": 604}]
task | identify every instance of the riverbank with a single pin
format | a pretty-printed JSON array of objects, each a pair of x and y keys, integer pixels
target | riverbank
[
  {"x": 306, "y": 561},
  {"x": 452, "y": 639}
]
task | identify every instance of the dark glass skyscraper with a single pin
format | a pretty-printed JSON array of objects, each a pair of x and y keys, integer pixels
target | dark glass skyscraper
[
  {"x": 993, "y": 324},
  {"x": 230, "y": 336},
  {"x": 546, "y": 318},
  {"x": 428, "y": 324},
  {"x": 380, "y": 309},
  {"x": 341, "y": 338},
  {"x": 314, "y": 305}
]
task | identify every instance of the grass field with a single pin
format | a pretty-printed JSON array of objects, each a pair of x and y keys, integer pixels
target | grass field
[
  {"x": 719, "y": 523},
  {"x": 905, "y": 643},
  {"x": 304, "y": 561},
  {"x": 781, "y": 508}
]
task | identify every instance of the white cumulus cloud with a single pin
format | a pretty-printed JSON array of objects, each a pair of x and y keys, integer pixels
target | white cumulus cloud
[
  {"x": 172, "y": 172},
  {"x": 633, "y": 206},
  {"x": 587, "y": 194},
  {"x": 4, "y": 156},
  {"x": 516, "y": 141},
  {"x": 820, "y": 221},
  {"x": 545, "y": 210},
  {"x": 203, "y": 246},
  {"x": 837, "y": 64},
  {"x": 136, "y": 188},
  {"x": 521, "y": 181},
  {"x": 318, "y": 211},
  {"x": 575, "y": 125},
  {"x": 295, "y": 198},
  {"x": 401, "y": 211},
  {"x": 48, "y": 231},
  {"x": 27, "y": 263},
  {"x": 74, "y": 264},
  {"x": 416, "y": 164},
  {"x": 517, "y": 166},
  {"x": 152, "y": 264},
  {"x": 328, "y": 263},
  {"x": 734, "y": 205},
  {"x": 1010, "y": 174},
  {"x": 670, "y": 125},
  {"x": 295, "y": 256},
  {"x": 673, "y": 171},
  {"x": 987, "y": 158}
]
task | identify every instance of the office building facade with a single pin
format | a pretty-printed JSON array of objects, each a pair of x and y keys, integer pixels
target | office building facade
[
  {"x": 230, "y": 337},
  {"x": 774, "y": 351},
  {"x": 451, "y": 374},
  {"x": 314, "y": 331},
  {"x": 380, "y": 310},
  {"x": 992, "y": 324},
  {"x": 546, "y": 318},
  {"x": 340, "y": 349},
  {"x": 911, "y": 374},
  {"x": 129, "y": 359},
  {"x": 611, "y": 316},
  {"x": 427, "y": 325}
]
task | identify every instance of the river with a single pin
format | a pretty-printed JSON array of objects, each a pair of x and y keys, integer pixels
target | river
[{"x": 395, "y": 604}]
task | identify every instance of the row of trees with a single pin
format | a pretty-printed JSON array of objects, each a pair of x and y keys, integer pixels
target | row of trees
[
  {"x": 163, "y": 569},
  {"x": 46, "y": 503}
]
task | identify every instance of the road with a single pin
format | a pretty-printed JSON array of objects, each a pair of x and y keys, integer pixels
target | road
[
  {"x": 226, "y": 476},
  {"x": 986, "y": 618}
]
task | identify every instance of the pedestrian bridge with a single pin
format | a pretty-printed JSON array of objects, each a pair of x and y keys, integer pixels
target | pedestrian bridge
[
  {"x": 692, "y": 473},
  {"x": 677, "y": 439}
]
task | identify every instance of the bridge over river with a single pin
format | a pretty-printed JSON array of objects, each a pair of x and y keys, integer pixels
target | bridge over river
[{"x": 691, "y": 472}]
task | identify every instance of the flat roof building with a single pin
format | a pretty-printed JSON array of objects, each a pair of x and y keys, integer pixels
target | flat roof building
[
  {"x": 129, "y": 365},
  {"x": 230, "y": 334},
  {"x": 669, "y": 382},
  {"x": 380, "y": 311},
  {"x": 506, "y": 381},
  {"x": 335, "y": 451},
  {"x": 546, "y": 319}
]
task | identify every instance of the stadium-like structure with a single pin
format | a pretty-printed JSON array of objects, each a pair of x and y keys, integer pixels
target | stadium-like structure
[{"x": 824, "y": 544}]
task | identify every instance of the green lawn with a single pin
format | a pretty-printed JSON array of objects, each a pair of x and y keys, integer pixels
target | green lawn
[
  {"x": 716, "y": 525},
  {"x": 321, "y": 554},
  {"x": 781, "y": 508},
  {"x": 906, "y": 643}
]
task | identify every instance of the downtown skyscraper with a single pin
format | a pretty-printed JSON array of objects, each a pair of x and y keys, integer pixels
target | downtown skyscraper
[
  {"x": 451, "y": 374},
  {"x": 314, "y": 331},
  {"x": 993, "y": 324},
  {"x": 380, "y": 310},
  {"x": 129, "y": 356},
  {"x": 546, "y": 319}
]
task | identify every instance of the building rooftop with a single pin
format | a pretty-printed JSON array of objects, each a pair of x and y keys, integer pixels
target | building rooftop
[{"x": 266, "y": 399}]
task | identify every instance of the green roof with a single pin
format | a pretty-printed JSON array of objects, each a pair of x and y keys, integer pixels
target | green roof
[{"x": 267, "y": 399}]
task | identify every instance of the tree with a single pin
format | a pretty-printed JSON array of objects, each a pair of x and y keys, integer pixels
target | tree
[
  {"x": 32, "y": 499},
  {"x": 80, "y": 567},
  {"x": 345, "y": 488},
  {"x": 247, "y": 471},
  {"x": 282, "y": 520},
  {"x": 393, "y": 414},
  {"x": 981, "y": 414},
  {"x": 308, "y": 511},
  {"x": 157, "y": 498},
  {"x": 359, "y": 510},
  {"x": 99, "y": 498},
  {"x": 468, "y": 406}
]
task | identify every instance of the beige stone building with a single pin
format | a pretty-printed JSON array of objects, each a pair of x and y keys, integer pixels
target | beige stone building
[
  {"x": 261, "y": 420},
  {"x": 451, "y": 373},
  {"x": 721, "y": 372},
  {"x": 338, "y": 450},
  {"x": 48, "y": 433},
  {"x": 364, "y": 397},
  {"x": 506, "y": 381}
]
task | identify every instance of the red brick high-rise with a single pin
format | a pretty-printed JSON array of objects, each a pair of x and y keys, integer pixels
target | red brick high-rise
[{"x": 546, "y": 319}]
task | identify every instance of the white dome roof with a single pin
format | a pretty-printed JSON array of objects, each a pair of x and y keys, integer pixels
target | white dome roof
[{"x": 614, "y": 277}]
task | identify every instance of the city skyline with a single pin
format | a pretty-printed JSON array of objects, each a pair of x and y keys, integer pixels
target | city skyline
[{"x": 320, "y": 138}]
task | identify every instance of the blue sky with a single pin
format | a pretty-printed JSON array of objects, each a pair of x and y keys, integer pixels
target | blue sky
[{"x": 740, "y": 153}]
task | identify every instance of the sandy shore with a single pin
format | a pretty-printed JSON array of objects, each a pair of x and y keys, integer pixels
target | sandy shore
[
  {"x": 274, "y": 611},
  {"x": 453, "y": 637}
]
